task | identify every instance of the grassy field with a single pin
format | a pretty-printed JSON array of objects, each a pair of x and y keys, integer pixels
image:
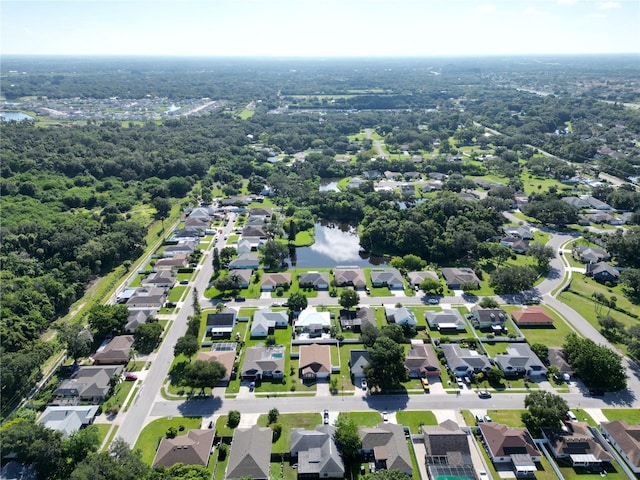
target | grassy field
[
  {"x": 288, "y": 421},
  {"x": 631, "y": 415},
  {"x": 246, "y": 113},
  {"x": 415, "y": 418},
  {"x": 507, "y": 417},
  {"x": 176, "y": 293},
  {"x": 552, "y": 336},
  {"x": 151, "y": 435},
  {"x": 364, "y": 419}
]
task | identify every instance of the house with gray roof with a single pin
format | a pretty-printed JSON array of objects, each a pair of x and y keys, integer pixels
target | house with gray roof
[
  {"x": 317, "y": 280},
  {"x": 137, "y": 318},
  {"x": 416, "y": 278},
  {"x": 160, "y": 278},
  {"x": 520, "y": 360},
  {"x": 179, "y": 260},
  {"x": 625, "y": 439},
  {"x": 576, "y": 202},
  {"x": 463, "y": 361},
  {"x": 265, "y": 321},
  {"x": 590, "y": 254},
  {"x": 250, "y": 454},
  {"x": 194, "y": 448},
  {"x": 493, "y": 318},
  {"x": 254, "y": 231},
  {"x": 358, "y": 360},
  {"x": 88, "y": 384},
  {"x": 354, "y": 320},
  {"x": 400, "y": 316},
  {"x": 246, "y": 261},
  {"x": 263, "y": 363},
  {"x": 349, "y": 277},
  {"x": 446, "y": 321},
  {"x": 386, "y": 277},
  {"x": 558, "y": 359},
  {"x": 446, "y": 444},
  {"x": 68, "y": 419},
  {"x": 456, "y": 277},
  {"x": 147, "y": 297},
  {"x": 602, "y": 272},
  {"x": 316, "y": 453},
  {"x": 185, "y": 247},
  {"x": 243, "y": 276},
  {"x": 520, "y": 231},
  {"x": 387, "y": 446}
]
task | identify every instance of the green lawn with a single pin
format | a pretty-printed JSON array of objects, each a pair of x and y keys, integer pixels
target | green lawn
[
  {"x": 615, "y": 472},
  {"x": 415, "y": 418},
  {"x": 550, "y": 336},
  {"x": 151, "y": 435},
  {"x": 510, "y": 418},
  {"x": 364, "y": 419},
  {"x": 103, "y": 429},
  {"x": 176, "y": 293},
  {"x": 119, "y": 396},
  {"x": 246, "y": 113},
  {"x": 288, "y": 421},
  {"x": 631, "y": 415}
]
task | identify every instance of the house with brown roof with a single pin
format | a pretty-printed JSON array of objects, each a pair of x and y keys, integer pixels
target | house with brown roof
[
  {"x": 354, "y": 320},
  {"x": 250, "y": 454},
  {"x": 492, "y": 318},
  {"x": 575, "y": 443},
  {"x": 226, "y": 356},
  {"x": 625, "y": 439},
  {"x": 386, "y": 446},
  {"x": 446, "y": 444},
  {"x": 511, "y": 445},
  {"x": 316, "y": 280},
  {"x": 558, "y": 359},
  {"x": 115, "y": 352},
  {"x": 421, "y": 360},
  {"x": 315, "y": 361},
  {"x": 533, "y": 316},
  {"x": 456, "y": 277},
  {"x": 271, "y": 281},
  {"x": 179, "y": 260},
  {"x": 416, "y": 278},
  {"x": 193, "y": 448},
  {"x": 350, "y": 277}
]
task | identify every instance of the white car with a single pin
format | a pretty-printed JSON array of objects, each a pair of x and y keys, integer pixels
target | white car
[{"x": 363, "y": 384}]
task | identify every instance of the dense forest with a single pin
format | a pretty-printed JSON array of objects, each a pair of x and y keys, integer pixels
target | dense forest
[{"x": 73, "y": 193}]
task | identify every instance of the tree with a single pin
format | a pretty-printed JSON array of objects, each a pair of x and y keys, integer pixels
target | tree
[
  {"x": 77, "y": 340},
  {"x": 227, "y": 253},
  {"x": 349, "y": 298},
  {"x": 596, "y": 365},
  {"x": 274, "y": 254},
  {"x": 180, "y": 471},
  {"x": 544, "y": 409},
  {"x": 215, "y": 261},
  {"x": 630, "y": 281},
  {"x": 119, "y": 463},
  {"x": 542, "y": 351},
  {"x": 292, "y": 231},
  {"x": 488, "y": 302},
  {"x": 494, "y": 375},
  {"x": 469, "y": 286},
  {"x": 162, "y": 206},
  {"x": 512, "y": 279},
  {"x": 273, "y": 415},
  {"x": 195, "y": 302},
  {"x": 393, "y": 331},
  {"x": 233, "y": 420},
  {"x": 347, "y": 438},
  {"x": 203, "y": 374},
  {"x": 542, "y": 254},
  {"x": 429, "y": 285},
  {"x": 187, "y": 346},
  {"x": 297, "y": 301},
  {"x": 551, "y": 211},
  {"x": 413, "y": 263},
  {"x": 81, "y": 443},
  {"x": 386, "y": 370},
  {"x": 369, "y": 334},
  {"x": 227, "y": 283},
  {"x": 147, "y": 336},
  {"x": 106, "y": 319}
]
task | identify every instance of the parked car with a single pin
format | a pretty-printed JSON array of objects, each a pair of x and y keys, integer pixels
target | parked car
[
  {"x": 487, "y": 419},
  {"x": 433, "y": 301},
  {"x": 130, "y": 377},
  {"x": 252, "y": 386},
  {"x": 184, "y": 282},
  {"x": 240, "y": 298},
  {"x": 325, "y": 417},
  {"x": 211, "y": 424},
  {"x": 363, "y": 384},
  {"x": 572, "y": 416},
  {"x": 484, "y": 394},
  {"x": 425, "y": 384}
]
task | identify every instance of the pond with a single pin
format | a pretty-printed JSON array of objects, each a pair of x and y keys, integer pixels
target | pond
[
  {"x": 14, "y": 117},
  {"x": 335, "y": 245},
  {"x": 329, "y": 185}
]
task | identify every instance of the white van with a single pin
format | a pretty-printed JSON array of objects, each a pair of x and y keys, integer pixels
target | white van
[{"x": 572, "y": 416}]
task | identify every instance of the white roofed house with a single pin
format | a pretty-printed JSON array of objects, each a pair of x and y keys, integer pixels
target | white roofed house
[
  {"x": 312, "y": 322},
  {"x": 400, "y": 316}
]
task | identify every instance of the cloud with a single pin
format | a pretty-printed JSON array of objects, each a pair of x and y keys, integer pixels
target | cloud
[
  {"x": 533, "y": 11},
  {"x": 566, "y": 1},
  {"x": 485, "y": 8},
  {"x": 598, "y": 15},
  {"x": 609, "y": 5}
]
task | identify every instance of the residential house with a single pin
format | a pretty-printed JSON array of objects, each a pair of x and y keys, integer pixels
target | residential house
[
  {"x": 137, "y": 318},
  {"x": 243, "y": 276},
  {"x": 511, "y": 445},
  {"x": 199, "y": 225},
  {"x": 446, "y": 321},
  {"x": 595, "y": 203},
  {"x": 386, "y": 446},
  {"x": 438, "y": 176},
  {"x": 575, "y": 444},
  {"x": 149, "y": 297},
  {"x": 389, "y": 175},
  {"x": 456, "y": 277},
  {"x": 603, "y": 217},
  {"x": 557, "y": 358},
  {"x": 179, "y": 260},
  {"x": 520, "y": 360},
  {"x": 68, "y": 419},
  {"x": 160, "y": 278},
  {"x": 316, "y": 280},
  {"x": 358, "y": 360},
  {"x": 250, "y": 454},
  {"x": 467, "y": 197},
  {"x": 372, "y": 175},
  {"x": 522, "y": 231},
  {"x": 421, "y": 360},
  {"x": 400, "y": 316},
  {"x": 254, "y": 231},
  {"x": 265, "y": 321},
  {"x": 534, "y": 316},
  {"x": 221, "y": 324},
  {"x": 576, "y": 202},
  {"x": 271, "y": 281},
  {"x": 246, "y": 261},
  {"x": 249, "y": 244},
  {"x": 181, "y": 248},
  {"x": 431, "y": 186},
  {"x": 387, "y": 277},
  {"x": 354, "y": 320},
  {"x": 261, "y": 212},
  {"x": 446, "y": 444},
  {"x": 312, "y": 322},
  {"x": 316, "y": 453},
  {"x": 349, "y": 277},
  {"x": 315, "y": 361},
  {"x": 416, "y": 278},
  {"x": 224, "y": 353},
  {"x": 591, "y": 255},
  {"x": 204, "y": 213},
  {"x": 88, "y": 384},
  {"x": 602, "y": 272},
  {"x": 463, "y": 361},
  {"x": 194, "y": 448},
  {"x": 516, "y": 244},
  {"x": 115, "y": 352},
  {"x": 625, "y": 439},
  {"x": 408, "y": 190},
  {"x": 263, "y": 363},
  {"x": 355, "y": 182},
  {"x": 493, "y": 318}
]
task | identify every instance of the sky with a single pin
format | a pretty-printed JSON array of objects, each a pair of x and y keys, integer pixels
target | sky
[{"x": 318, "y": 28}]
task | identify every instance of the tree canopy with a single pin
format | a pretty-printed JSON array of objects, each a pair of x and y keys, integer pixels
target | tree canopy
[
  {"x": 597, "y": 366},
  {"x": 544, "y": 409},
  {"x": 385, "y": 370},
  {"x": 203, "y": 374}
]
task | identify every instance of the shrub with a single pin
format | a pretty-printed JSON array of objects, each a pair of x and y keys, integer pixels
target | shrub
[
  {"x": 223, "y": 451},
  {"x": 273, "y": 415},
  {"x": 279, "y": 291},
  {"x": 234, "y": 419},
  {"x": 270, "y": 341},
  {"x": 171, "y": 432},
  {"x": 277, "y": 431}
]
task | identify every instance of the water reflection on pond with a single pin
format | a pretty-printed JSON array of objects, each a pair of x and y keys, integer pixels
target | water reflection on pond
[
  {"x": 329, "y": 185},
  {"x": 335, "y": 245}
]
